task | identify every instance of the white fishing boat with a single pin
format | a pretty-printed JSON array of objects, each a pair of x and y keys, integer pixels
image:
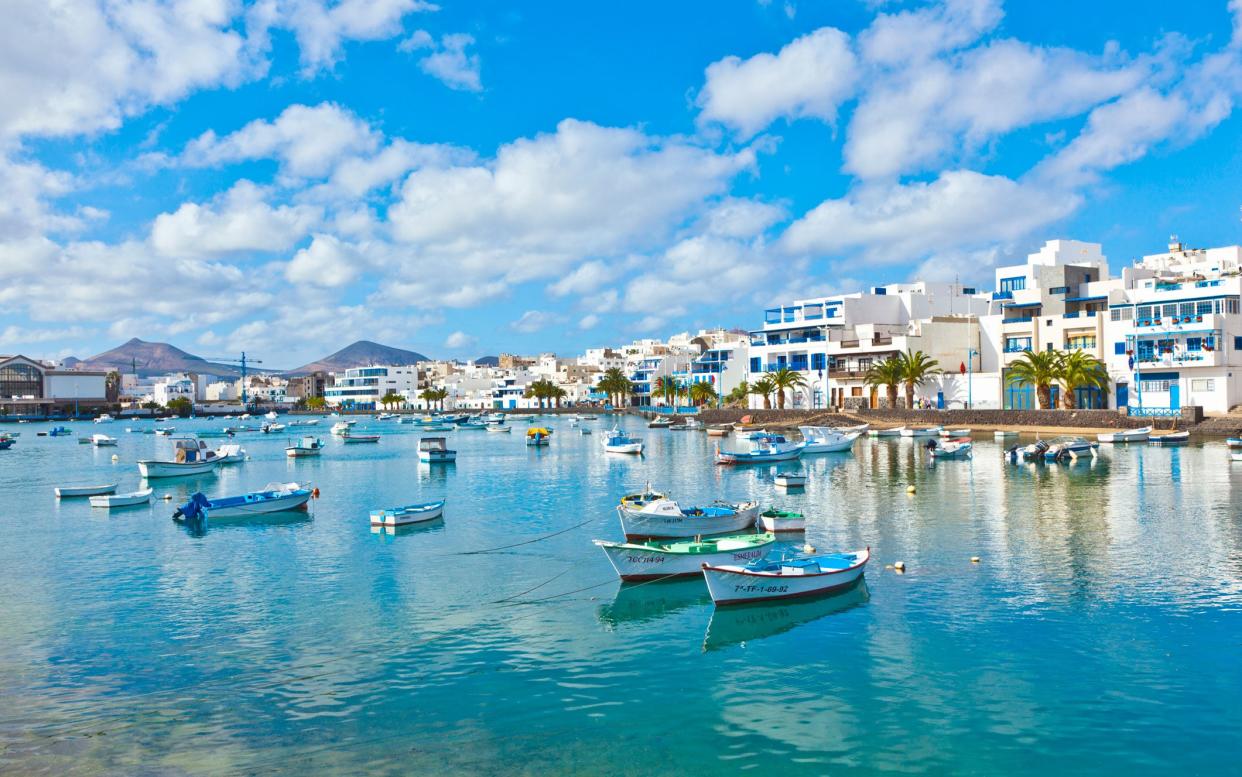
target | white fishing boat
[
  {"x": 65, "y": 492},
  {"x": 920, "y": 431},
  {"x": 617, "y": 441},
  {"x": 894, "y": 432},
  {"x": 692, "y": 425},
  {"x": 824, "y": 439},
  {"x": 434, "y": 450},
  {"x": 1173, "y": 438},
  {"x": 1069, "y": 447},
  {"x": 860, "y": 428},
  {"x": 1001, "y": 434},
  {"x": 123, "y": 500},
  {"x": 271, "y": 428},
  {"x": 104, "y": 418},
  {"x": 538, "y": 436},
  {"x": 660, "y": 422},
  {"x": 764, "y": 448},
  {"x": 499, "y": 429},
  {"x": 665, "y": 518},
  {"x": 103, "y": 441},
  {"x": 274, "y": 498},
  {"x": 954, "y": 433},
  {"x": 230, "y": 454},
  {"x": 408, "y": 515},
  {"x": 341, "y": 428},
  {"x": 1032, "y": 452},
  {"x": 1126, "y": 435},
  {"x": 165, "y": 431},
  {"x": 719, "y": 431},
  {"x": 191, "y": 457},
  {"x": 385, "y": 416},
  {"x": 780, "y": 521},
  {"x": 357, "y": 439},
  {"x": 789, "y": 479},
  {"x": 306, "y": 447},
  {"x": 657, "y": 560},
  {"x": 784, "y": 576},
  {"x": 271, "y": 415}
]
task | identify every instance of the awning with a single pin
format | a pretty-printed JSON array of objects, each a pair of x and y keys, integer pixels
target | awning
[
  {"x": 1086, "y": 299},
  {"x": 1022, "y": 304}
]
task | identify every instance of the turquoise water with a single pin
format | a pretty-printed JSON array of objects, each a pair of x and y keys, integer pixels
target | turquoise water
[{"x": 1101, "y": 631}]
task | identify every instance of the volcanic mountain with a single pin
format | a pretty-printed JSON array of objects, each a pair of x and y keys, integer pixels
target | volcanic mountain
[
  {"x": 154, "y": 359},
  {"x": 363, "y": 353}
]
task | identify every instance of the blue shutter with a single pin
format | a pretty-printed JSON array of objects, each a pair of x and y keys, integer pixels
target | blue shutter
[
  {"x": 1119, "y": 349},
  {"x": 754, "y": 364}
]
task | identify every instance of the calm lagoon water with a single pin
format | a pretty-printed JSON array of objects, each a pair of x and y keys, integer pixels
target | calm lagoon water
[{"x": 1102, "y": 631}]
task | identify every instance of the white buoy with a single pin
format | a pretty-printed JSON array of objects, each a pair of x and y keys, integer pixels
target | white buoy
[
  {"x": 910, "y": 489},
  {"x": 115, "y": 458},
  {"x": 900, "y": 566},
  {"x": 167, "y": 497},
  {"x": 974, "y": 559}
]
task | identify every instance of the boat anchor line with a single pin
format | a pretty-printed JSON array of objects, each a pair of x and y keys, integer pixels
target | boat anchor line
[{"x": 526, "y": 542}]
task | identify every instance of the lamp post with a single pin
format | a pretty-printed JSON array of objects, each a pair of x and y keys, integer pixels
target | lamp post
[
  {"x": 970, "y": 375},
  {"x": 820, "y": 392}
]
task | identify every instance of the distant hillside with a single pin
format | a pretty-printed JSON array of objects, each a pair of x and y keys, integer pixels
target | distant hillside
[
  {"x": 363, "y": 353},
  {"x": 152, "y": 359},
  {"x": 487, "y": 361}
]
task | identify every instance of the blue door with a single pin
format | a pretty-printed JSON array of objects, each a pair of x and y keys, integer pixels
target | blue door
[
  {"x": 940, "y": 400},
  {"x": 1175, "y": 399},
  {"x": 1123, "y": 395}
]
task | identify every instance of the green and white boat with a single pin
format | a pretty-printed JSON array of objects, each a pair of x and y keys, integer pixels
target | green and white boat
[
  {"x": 678, "y": 558},
  {"x": 774, "y": 520}
]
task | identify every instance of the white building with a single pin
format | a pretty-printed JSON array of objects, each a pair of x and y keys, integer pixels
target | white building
[{"x": 365, "y": 386}]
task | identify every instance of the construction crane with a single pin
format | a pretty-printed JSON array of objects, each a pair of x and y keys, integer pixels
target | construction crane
[{"x": 243, "y": 361}]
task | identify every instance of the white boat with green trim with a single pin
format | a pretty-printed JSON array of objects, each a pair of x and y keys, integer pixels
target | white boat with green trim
[{"x": 680, "y": 558}]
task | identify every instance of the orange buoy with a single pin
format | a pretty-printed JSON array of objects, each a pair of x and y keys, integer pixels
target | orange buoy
[{"x": 315, "y": 492}]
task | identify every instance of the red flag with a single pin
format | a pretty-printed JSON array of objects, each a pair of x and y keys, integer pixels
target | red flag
[{"x": 962, "y": 368}]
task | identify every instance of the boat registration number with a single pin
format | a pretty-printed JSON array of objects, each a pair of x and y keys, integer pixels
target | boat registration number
[{"x": 760, "y": 589}]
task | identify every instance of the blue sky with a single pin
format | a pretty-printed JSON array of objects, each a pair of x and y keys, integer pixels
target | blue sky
[{"x": 287, "y": 176}]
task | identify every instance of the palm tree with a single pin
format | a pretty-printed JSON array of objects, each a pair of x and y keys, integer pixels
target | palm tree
[
  {"x": 665, "y": 387},
  {"x": 764, "y": 387},
  {"x": 391, "y": 398},
  {"x": 1040, "y": 369},
  {"x": 915, "y": 367},
  {"x": 440, "y": 396},
  {"x": 887, "y": 374},
  {"x": 1080, "y": 370},
  {"x": 557, "y": 394},
  {"x": 702, "y": 392},
  {"x": 786, "y": 379},
  {"x": 738, "y": 395},
  {"x": 615, "y": 385},
  {"x": 428, "y": 395}
]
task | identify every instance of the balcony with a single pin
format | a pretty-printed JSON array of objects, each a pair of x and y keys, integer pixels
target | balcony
[
  {"x": 1002, "y": 295},
  {"x": 1017, "y": 320},
  {"x": 881, "y": 340},
  {"x": 842, "y": 374}
]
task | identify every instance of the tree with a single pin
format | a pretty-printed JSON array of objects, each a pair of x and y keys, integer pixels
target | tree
[
  {"x": 181, "y": 406},
  {"x": 391, "y": 398},
  {"x": 615, "y": 385},
  {"x": 1039, "y": 369},
  {"x": 429, "y": 396},
  {"x": 316, "y": 403},
  {"x": 765, "y": 388},
  {"x": 1081, "y": 370},
  {"x": 702, "y": 393},
  {"x": 916, "y": 366},
  {"x": 151, "y": 406},
  {"x": 738, "y": 395},
  {"x": 887, "y": 374},
  {"x": 557, "y": 394},
  {"x": 665, "y": 387},
  {"x": 785, "y": 379}
]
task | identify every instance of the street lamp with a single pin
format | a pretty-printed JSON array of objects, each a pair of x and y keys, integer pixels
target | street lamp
[
  {"x": 819, "y": 397},
  {"x": 970, "y": 374}
]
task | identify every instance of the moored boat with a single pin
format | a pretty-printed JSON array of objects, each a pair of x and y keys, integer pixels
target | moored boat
[
  {"x": 538, "y": 436},
  {"x": 660, "y": 422},
  {"x": 774, "y": 520},
  {"x": 341, "y": 428},
  {"x": 274, "y": 498},
  {"x": 58, "y": 431},
  {"x": 355, "y": 439},
  {"x": 1126, "y": 435},
  {"x": 1234, "y": 443},
  {"x": 764, "y": 448},
  {"x": 952, "y": 449},
  {"x": 306, "y": 447},
  {"x": 191, "y": 457},
  {"x": 65, "y": 492},
  {"x": 894, "y": 432},
  {"x": 1001, "y": 434},
  {"x": 655, "y": 560},
  {"x": 784, "y": 576},
  {"x": 104, "y": 418},
  {"x": 790, "y": 479},
  {"x": 123, "y": 500},
  {"x": 617, "y": 441},
  {"x": 664, "y": 518},
  {"x": 721, "y": 430},
  {"x": 408, "y": 515},
  {"x": 1032, "y": 452},
  {"x": 499, "y": 429},
  {"x": 434, "y": 450},
  {"x": 954, "y": 432},
  {"x": 230, "y": 454},
  {"x": 103, "y": 441},
  {"x": 1173, "y": 438},
  {"x": 920, "y": 431},
  {"x": 824, "y": 439},
  {"x": 1069, "y": 447}
]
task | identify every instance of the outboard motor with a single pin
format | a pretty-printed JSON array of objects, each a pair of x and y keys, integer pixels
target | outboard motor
[{"x": 193, "y": 510}]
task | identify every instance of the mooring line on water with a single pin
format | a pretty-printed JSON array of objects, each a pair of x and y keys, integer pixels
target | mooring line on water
[
  {"x": 526, "y": 542},
  {"x": 562, "y": 573}
]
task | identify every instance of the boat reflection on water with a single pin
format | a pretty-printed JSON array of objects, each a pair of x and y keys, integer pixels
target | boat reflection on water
[
  {"x": 643, "y": 602},
  {"x": 748, "y": 622},
  {"x": 435, "y": 525},
  {"x": 199, "y": 528}
]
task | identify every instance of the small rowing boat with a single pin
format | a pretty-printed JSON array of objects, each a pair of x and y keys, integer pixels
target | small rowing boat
[
  {"x": 952, "y": 449},
  {"x": 1125, "y": 435},
  {"x": 656, "y": 560},
  {"x": 192, "y": 457},
  {"x": 779, "y": 521},
  {"x": 103, "y": 441},
  {"x": 64, "y": 492},
  {"x": 790, "y": 479},
  {"x": 894, "y": 432},
  {"x": 1174, "y": 438},
  {"x": 354, "y": 439},
  {"x": 784, "y": 576},
  {"x": 666, "y": 519},
  {"x": 764, "y": 448},
  {"x": 921, "y": 431},
  {"x": 109, "y": 501},
  {"x": 408, "y": 515},
  {"x": 824, "y": 439},
  {"x": 954, "y": 432}
]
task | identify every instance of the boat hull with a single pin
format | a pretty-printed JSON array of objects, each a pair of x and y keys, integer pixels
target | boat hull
[
  {"x": 173, "y": 469},
  {"x": 634, "y": 562},
  {"x": 294, "y": 501},
  {"x": 123, "y": 500},
  {"x": 407, "y": 516},
  {"x": 637, "y": 525},
  {"x": 72, "y": 491},
  {"x": 735, "y": 457},
  {"x": 780, "y": 525},
  {"x": 437, "y": 457},
  {"x": 733, "y": 585},
  {"x": 302, "y": 453},
  {"x": 630, "y": 448}
]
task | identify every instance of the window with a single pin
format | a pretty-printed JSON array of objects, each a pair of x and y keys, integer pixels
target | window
[
  {"x": 1194, "y": 343},
  {"x": 817, "y": 361},
  {"x": 1017, "y": 344},
  {"x": 1012, "y": 284},
  {"x": 21, "y": 380},
  {"x": 1121, "y": 314},
  {"x": 1049, "y": 348},
  {"x": 754, "y": 364},
  {"x": 1079, "y": 342},
  {"x": 1237, "y": 343},
  {"x": 856, "y": 391},
  {"x": 1170, "y": 310},
  {"x": 1202, "y": 384},
  {"x": 1155, "y": 386},
  {"x": 1146, "y": 350},
  {"x": 969, "y": 290},
  {"x": 1186, "y": 309},
  {"x": 1119, "y": 349},
  {"x": 1059, "y": 290},
  {"x": 1203, "y": 308},
  {"x": 1231, "y": 305},
  {"x": 864, "y": 364}
]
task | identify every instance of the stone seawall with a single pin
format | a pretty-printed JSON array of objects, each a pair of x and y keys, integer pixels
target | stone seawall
[{"x": 1025, "y": 419}]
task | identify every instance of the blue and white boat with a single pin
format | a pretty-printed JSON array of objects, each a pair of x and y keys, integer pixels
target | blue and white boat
[
  {"x": 59, "y": 431},
  {"x": 408, "y": 515},
  {"x": 764, "y": 448},
  {"x": 434, "y": 450},
  {"x": 785, "y": 575},
  {"x": 1068, "y": 447},
  {"x": 6, "y": 443},
  {"x": 665, "y": 519},
  {"x": 274, "y": 498},
  {"x": 618, "y": 442},
  {"x": 952, "y": 449},
  {"x": 1173, "y": 438}
]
